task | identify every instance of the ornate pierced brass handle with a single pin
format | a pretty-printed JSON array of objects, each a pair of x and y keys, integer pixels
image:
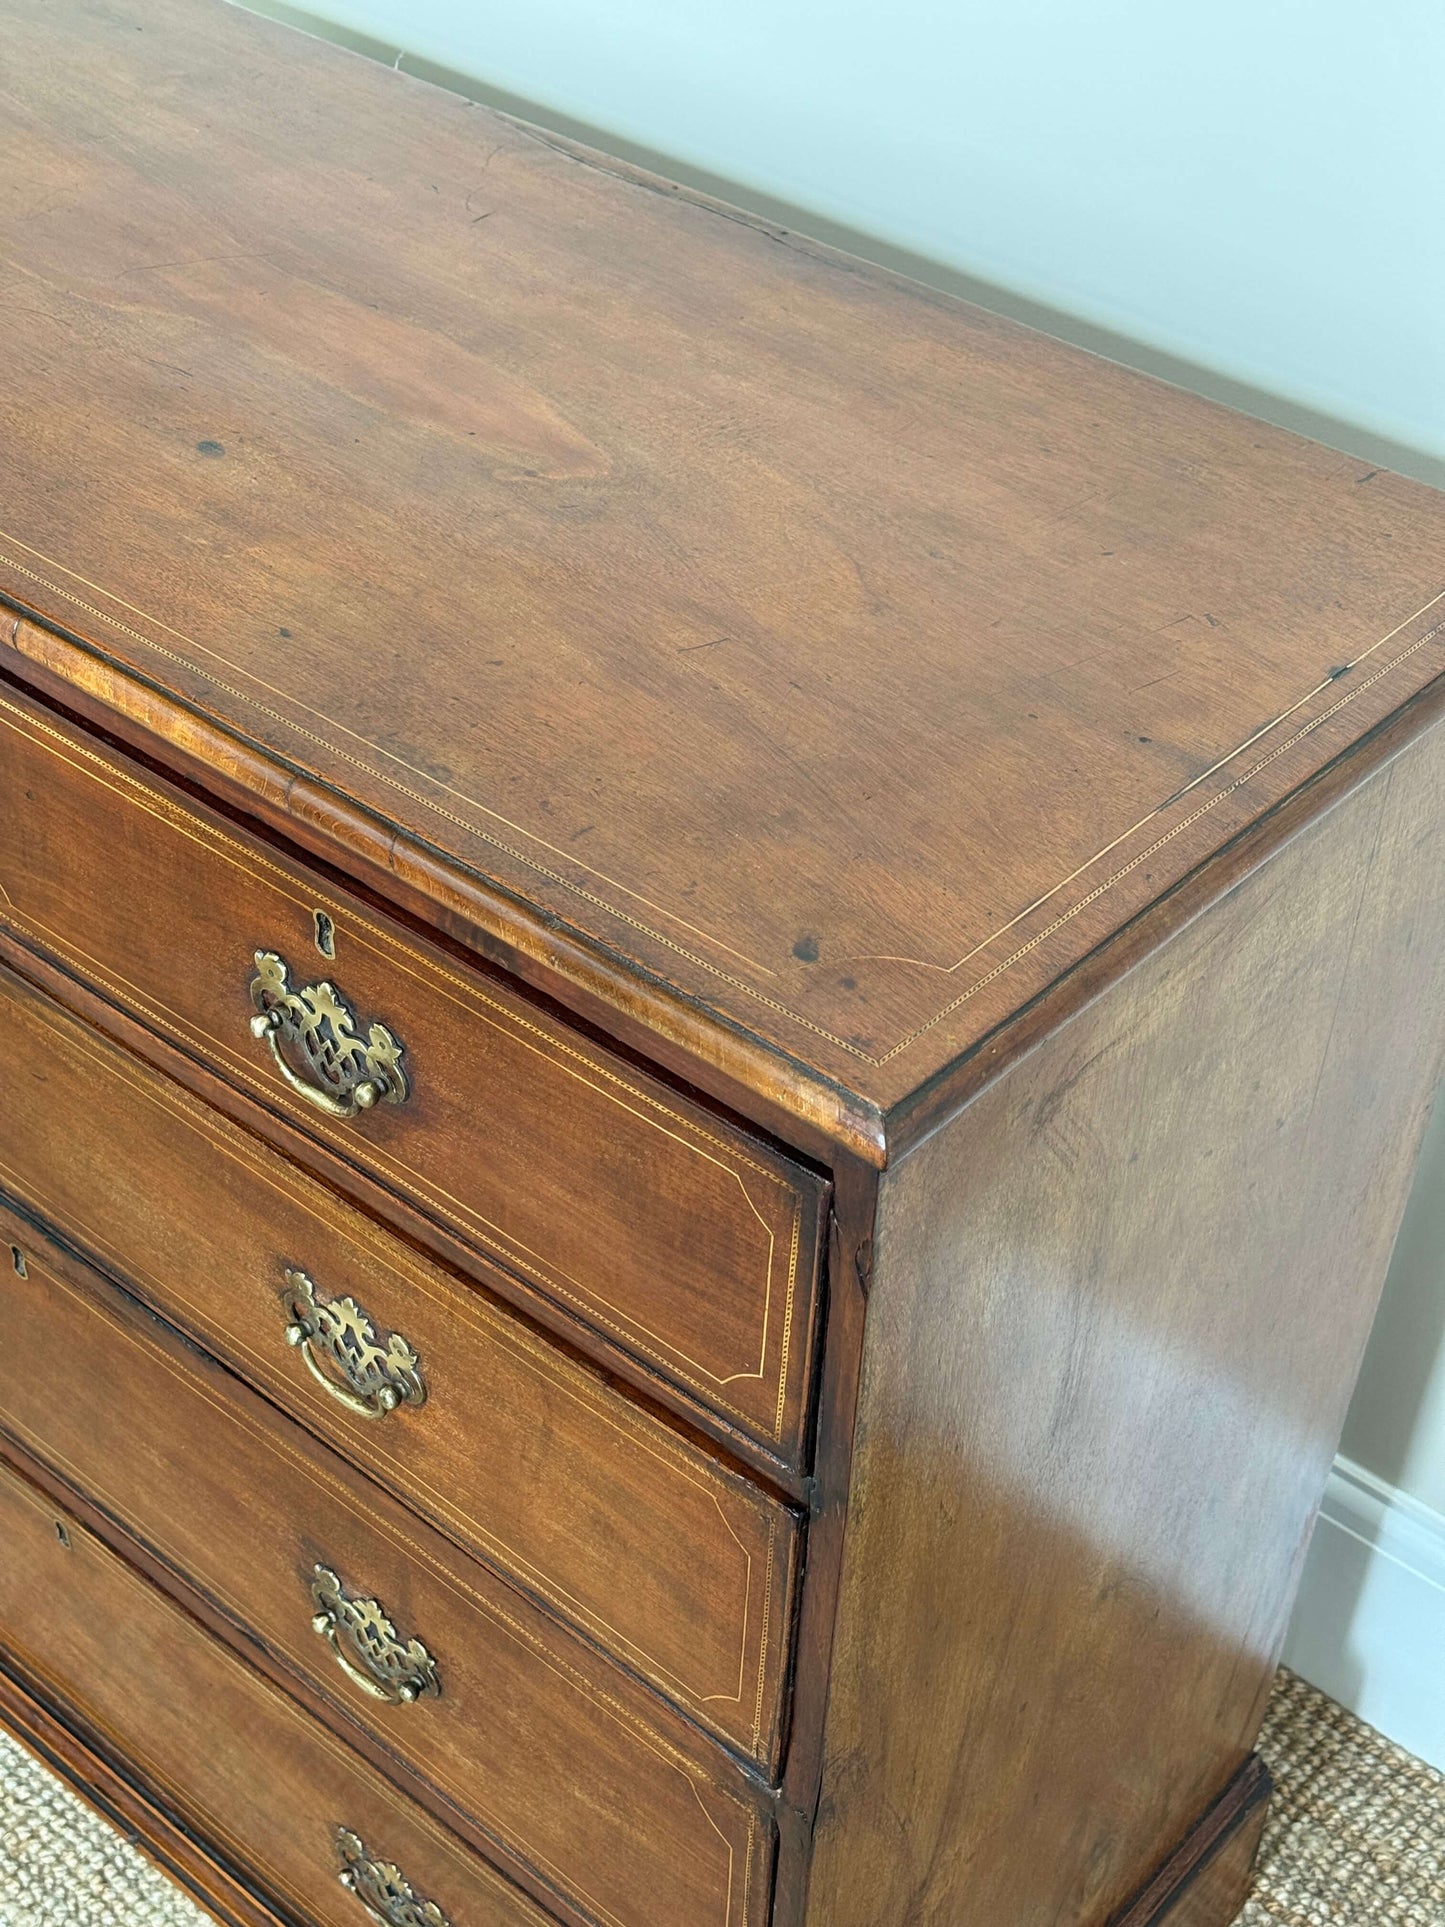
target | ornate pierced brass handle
[
  {"x": 382, "y": 1888},
  {"x": 367, "y": 1373},
  {"x": 367, "y": 1647},
  {"x": 342, "y": 1073}
]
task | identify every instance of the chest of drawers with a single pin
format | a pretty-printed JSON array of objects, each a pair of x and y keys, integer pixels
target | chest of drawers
[{"x": 717, "y": 983}]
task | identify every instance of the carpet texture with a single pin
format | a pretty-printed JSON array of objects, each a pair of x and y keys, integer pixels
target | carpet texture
[
  {"x": 1356, "y": 1833},
  {"x": 61, "y": 1865},
  {"x": 1356, "y": 1838}
]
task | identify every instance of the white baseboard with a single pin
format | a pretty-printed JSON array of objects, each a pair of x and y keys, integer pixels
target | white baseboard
[{"x": 1369, "y": 1626}]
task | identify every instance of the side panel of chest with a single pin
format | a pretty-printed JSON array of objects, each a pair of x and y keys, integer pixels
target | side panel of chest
[{"x": 1117, "y": 1308}]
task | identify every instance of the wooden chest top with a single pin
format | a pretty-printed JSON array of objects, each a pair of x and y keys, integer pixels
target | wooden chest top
[{"x": 803, "y": 667}]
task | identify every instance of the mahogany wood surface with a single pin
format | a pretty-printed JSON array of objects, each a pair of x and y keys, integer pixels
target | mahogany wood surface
[
  {"x": 1207, "y": 1881},
  {"x": 689, "y": 1244},
  {"x": 400, "y": 1214},
  {"x": 1116, "y": 1310},
  {"x": 583, "y": 1782},
  {"x": 141, "y": 1676},
  {"x": 906, "y": 864},
  {"x": 659, "y": 1550},
  {"x": 812, "y": 665}
]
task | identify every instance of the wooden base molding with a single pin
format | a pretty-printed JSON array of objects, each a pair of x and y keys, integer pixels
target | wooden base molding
[
  {"x": 1204, "y": 1883},
  {"x": 1206, "y": 1880}
]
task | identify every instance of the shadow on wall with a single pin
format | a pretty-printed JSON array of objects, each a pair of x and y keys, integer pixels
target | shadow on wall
[{"x": 1396, "y": 1425}]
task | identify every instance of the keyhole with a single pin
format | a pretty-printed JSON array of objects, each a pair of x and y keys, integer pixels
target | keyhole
[
  {"x": 325, "y": 933},
  {"x": 17, "y": 1258}
]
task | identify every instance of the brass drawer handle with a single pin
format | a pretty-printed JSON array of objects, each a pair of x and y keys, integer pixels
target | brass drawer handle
[
  {"x": 382, "y": 1888},
  {"x": 367, "y": 1647},
  {"x": 368, "y": 1374},
  {"x": 344, "y": 1073}
]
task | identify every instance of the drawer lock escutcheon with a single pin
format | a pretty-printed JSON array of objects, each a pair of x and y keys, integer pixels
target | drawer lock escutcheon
[
  {"x": 367, "y": 1647},
  {"x": 368, "y": 1372},
  {"x": 337, "y": 1069},
  {"x": 382, "y": 1888}
]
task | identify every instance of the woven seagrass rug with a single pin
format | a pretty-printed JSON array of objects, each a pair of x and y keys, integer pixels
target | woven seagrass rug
[
  {"x": 1357, "y": 1837},
  {"x": 1356, "y": 1834}
]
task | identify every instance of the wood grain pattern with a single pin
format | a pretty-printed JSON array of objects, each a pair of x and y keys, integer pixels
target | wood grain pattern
[
  {"x": 129, "y": 1665},
  {"x": 580, "y": 1778},
  {"x": 688, "y": 1243},
  {"x": 813, "y": 666},
  {"x": 658, "y": 1550},
  {"x": 805, "y": 768},
  {"x": 1207, "y": 1881},
  {"x": 1116, "y": 1309}
]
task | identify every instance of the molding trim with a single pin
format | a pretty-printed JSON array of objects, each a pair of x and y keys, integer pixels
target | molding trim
[
  {"x": 1207, "y": 1878},
  {"x": 1369, "y": 1623}
]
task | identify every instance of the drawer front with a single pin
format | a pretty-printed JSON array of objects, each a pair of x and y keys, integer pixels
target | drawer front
[
  {"x": 278, "y": 1796},
  {"x": 467, "y": 1690},
  {"x": 677, "y": 1237},
  {"x": 679, "y": 1565}
]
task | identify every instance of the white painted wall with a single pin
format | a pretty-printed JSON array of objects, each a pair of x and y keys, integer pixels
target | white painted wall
[
  {"x": 1247, "y": 192},
  {"x": 1370, "y": 1624}
]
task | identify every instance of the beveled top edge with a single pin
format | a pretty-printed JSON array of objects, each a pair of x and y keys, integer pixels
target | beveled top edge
[
  {"x": 782, "y": 1095},
  {"x": 1087, "y": 884},
  {"x": 1011, "y": 641}
]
